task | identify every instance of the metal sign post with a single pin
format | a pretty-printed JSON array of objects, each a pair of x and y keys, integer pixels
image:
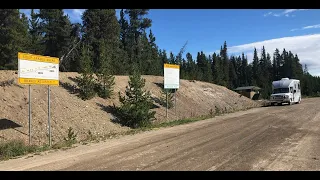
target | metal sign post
[
  {"x": 29, "y": 114},
  {"x": 167, "y": 103},
  {"x": 175, "y": 102},
  {"x": 49, "y": 126}
]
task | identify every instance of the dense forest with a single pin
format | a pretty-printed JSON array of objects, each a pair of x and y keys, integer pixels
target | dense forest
[{"x": 105, "y": 43}]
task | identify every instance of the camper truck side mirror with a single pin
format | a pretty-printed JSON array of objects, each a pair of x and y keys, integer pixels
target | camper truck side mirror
[{"x": 294, "y": 91}]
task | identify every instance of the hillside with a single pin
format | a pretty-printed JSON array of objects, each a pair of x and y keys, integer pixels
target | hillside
[{"x": 67, "y": 110}]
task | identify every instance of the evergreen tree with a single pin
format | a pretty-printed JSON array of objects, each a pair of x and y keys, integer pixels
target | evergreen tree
[
  {"x": 56, "y": 28},
  {"x": 232, "y": 74},
  {"x": 138, "y": 23},
  {"x": 35, "y": 33},
  {"x": 172, "y": 59},
  {"x": 207, "y": 70},
  {"x": 217, "y": 70},
  {"x": 14, "y": 37},
  {"x": 86, "y": 81},
  {"x": 191, "y": 67},
  {"x": 244, "y": 75},
  {"x": 104, "y": 87},
  {"x": 255, "y": 68},
  {"x": 102, "y": 24},
  {"x": 136, "y": 104},
  {"x": 124, "y": 28},
  {"x": 305, "y": 70},
  {"x": 70, "y": 60},
  {"x": 225, "y": 64},
  {"x": 298, "y": 67},
  {"x": 276, "y": 64},
  {"x": 163, "y": 56}
]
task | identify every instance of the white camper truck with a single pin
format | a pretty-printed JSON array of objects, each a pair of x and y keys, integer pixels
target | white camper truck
[{"x": 286, "y": 91}]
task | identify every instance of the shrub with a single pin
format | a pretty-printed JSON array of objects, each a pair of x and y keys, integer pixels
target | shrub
[{"x": 134, "y": 110}]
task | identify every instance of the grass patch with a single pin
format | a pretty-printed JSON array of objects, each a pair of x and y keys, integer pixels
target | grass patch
[
  {"x": 179, "y": 122},
  {"x": 16, "y": 148},
  {"x": 167, "y": 124}
]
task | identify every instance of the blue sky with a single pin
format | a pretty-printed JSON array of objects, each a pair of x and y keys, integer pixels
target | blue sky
[{"x": 297, "y": 30}]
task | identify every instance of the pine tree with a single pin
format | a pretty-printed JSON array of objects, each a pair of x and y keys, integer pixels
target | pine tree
[
  {"x": 138, "y": 23},
  {"x": 200, "y": 67},
  {"x": 102, "y": 24},
  {"x": 244, "y": 71},
  {"x": 70, "y": 60},
  {"x": 172, "y": 59},
  {"x": 217, "y": 70},
  {"x": 191, "y": 67},
  {"x": 232, "y": 74},
  {"x": 14, "y": 37},
  {"x": 298, "y": 67},
  {"x": 86, "y": 81},
  {"x": 277, "y": 63},
  {"x": 136, "y": 104},
  {"x": 305, "y": 70},
  {"x": 104, "y": 86},
  {"x": 56, "y": 28},
  {"x": 163, "y": 57},
  {"x": 255, "y": 66},
  {"x": 225, "y": 64},
  {"x": 209, "y": 72},
  {"x": 152, "y": 64},
  {"x": 35, "y": 33},
  {"x": 284, "y": 64},
  {"x": 124, "y": 28}
]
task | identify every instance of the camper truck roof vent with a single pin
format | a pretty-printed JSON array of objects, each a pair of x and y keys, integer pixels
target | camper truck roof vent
[{"x": 285, "y": 79}]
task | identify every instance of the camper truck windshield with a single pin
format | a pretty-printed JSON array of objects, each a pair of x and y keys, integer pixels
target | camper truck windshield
[{"x": 280, "y": 90}]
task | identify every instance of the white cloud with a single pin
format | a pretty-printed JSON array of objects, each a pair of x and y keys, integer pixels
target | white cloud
[
  {"x": 311, "y": 27},
  {"x": 306, "y": 47},
  {"x": 286, "y": 13},
  {"x": 307, "y": 27},
  {"x": 267, "y": 14},
  {"x": 289, "y": 11},
  {"x": 294, "y": 29}
]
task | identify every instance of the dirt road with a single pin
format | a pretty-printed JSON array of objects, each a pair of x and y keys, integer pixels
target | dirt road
[{"x": 271, "y": 138}]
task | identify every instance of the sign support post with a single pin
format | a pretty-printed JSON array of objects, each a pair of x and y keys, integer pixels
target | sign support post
[
  {"x": 175, "y": 102},
  {"x": 167, "y": 103},
  {"x": 29, "y": 114},
  {"x": 49, "y": 125}
]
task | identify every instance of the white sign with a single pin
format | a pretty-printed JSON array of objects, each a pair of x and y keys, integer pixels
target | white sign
[
  {"x": 36, "y": 69},
  {"x": 171, "y": 76}
]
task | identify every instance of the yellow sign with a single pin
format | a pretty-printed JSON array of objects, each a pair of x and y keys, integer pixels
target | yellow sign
[
  {"x": 38, "y": 81},
  {"x": 36, "y": 69},
  {"x": 171, "y": 66},
  {"x": 33, "y": 57}
]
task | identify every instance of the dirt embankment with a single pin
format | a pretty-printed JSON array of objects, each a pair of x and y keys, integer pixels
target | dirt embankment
[{"x": 67, "y": 110}]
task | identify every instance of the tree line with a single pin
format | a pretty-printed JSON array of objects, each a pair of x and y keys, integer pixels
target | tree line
[{"x": 105, "y": 45}]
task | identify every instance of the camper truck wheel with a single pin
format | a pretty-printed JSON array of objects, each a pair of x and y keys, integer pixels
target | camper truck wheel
[{"x": 299, "y": 101}]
